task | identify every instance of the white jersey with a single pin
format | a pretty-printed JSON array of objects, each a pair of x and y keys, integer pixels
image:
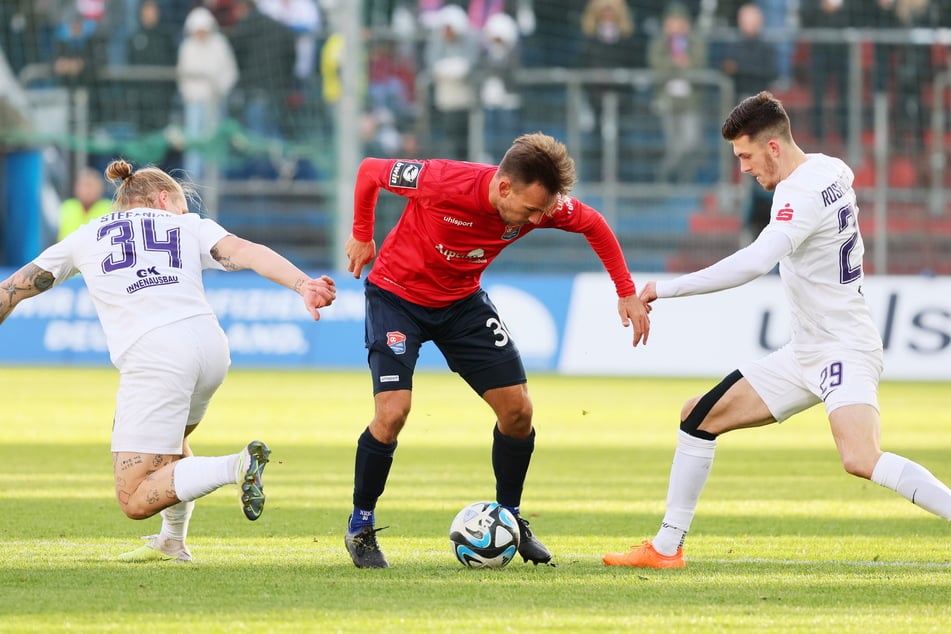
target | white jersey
[
  {"x": 815, "y": 208},
  {"x": 142, "y": 268},
  {"x": 814, "y": 235}
]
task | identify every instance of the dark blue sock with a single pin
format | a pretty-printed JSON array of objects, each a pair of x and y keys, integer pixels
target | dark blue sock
[
  {"x": 370, "y": 471},
  {"x": 512, "y": 509},
  {"x": 361, "y": 518},
  {"x": 510, "y": 460}
]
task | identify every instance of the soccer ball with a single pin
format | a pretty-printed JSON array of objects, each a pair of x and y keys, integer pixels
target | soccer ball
[{"x": 484, "y": 535}]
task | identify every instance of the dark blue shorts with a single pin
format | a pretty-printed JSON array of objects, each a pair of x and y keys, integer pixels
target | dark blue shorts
[{"x": 469, "y": 333}]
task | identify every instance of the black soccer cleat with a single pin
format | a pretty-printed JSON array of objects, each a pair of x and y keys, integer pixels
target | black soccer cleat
[
  {"x": 252, "y": 489},
  {"x": 529, "y": 547},
  {"x": 364, "y": 549}
]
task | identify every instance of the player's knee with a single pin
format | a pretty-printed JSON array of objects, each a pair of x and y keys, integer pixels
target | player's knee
[
  {"x": 386, "y": 430},
  {"x": 136, "y": 511},
  {"x": 393, "y": 414},
  {"x": 392, "y": 410},
  {"x": 695, "y": 411},
  {"x": 523, "y": 413},
  {"x": 515, "y": 419},
  {"x": 692, "y": 417},
  {"x": 516, "y": 422},
  {"x": 857, "y": 465},
  {"x": 856, "y": 469},
  {"x": 688, "y": 407}
]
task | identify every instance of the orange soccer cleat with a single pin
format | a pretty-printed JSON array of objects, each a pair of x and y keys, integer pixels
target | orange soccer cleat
[{"x": 644, "y": 556}]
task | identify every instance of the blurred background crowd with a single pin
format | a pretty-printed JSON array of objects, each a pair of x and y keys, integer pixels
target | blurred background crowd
[{"x": 244, "y": 97}]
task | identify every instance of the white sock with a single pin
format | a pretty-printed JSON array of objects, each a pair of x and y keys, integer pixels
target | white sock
[
  {"x": 914, "y": 483},
  {"x": 688, "y": 474},
  {"x": 198, "y": 475},
  {"x": 175, "y": 520}
]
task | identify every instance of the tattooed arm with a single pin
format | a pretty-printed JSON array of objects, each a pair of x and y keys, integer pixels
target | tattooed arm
[
  {"x": 28, "y": 281},
  {"x": 235, "y": 254}
]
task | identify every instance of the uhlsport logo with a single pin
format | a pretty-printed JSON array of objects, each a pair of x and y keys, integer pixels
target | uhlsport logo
[{"x": 396, "y": 341}]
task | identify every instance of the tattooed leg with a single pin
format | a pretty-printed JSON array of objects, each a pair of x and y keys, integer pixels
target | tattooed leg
[{"x": 145, "y": 483}]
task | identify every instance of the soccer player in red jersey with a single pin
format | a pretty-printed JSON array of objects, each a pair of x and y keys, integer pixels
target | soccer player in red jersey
[{"x": 425, "y": 286}]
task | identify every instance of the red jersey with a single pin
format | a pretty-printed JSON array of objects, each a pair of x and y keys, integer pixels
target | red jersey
[{"x": 449, "y": 233}]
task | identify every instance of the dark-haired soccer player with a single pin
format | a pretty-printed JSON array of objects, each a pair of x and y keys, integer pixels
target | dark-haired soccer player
[
  {"x": 835, "y": 354},
  {"x": 425, "y": 286}
]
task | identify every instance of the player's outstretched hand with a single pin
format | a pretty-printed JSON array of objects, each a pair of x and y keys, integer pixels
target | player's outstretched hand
[
  {"x": 318, "y": 293},
  {"x": 359, "y": 255},
  {"x": 649, "y": 292},
  {"x": 633, "y": 311}
]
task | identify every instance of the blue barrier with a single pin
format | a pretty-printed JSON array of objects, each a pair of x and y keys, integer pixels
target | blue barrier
[
  {"x": 22, "y": 171},
  {"x": 267, "y": 325},
  {"x": 561, "y": 322}
]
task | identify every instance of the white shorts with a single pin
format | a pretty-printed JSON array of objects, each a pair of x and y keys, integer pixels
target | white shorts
[
  {"x": 789, "y": 382},
  {"x": 166, "y": 381}
]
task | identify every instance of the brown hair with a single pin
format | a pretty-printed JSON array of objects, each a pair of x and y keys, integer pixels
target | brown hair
[
  {"x": 538, "y": 158},
  {"x": 140, "y": 188},
  {"x": 756, "y": 116}
]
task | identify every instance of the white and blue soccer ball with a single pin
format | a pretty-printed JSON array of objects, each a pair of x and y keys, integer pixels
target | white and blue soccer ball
[{"x": 484, "y": 535}]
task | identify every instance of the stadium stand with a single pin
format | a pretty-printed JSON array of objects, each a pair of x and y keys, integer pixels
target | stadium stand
[{"x": 275, "y": 171}]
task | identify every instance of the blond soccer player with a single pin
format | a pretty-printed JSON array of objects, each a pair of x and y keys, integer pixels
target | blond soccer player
[{"x": 142, "y": 264}]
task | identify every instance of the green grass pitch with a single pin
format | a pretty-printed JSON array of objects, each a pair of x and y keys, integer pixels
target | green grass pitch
[{"x": 784, "y": 540}]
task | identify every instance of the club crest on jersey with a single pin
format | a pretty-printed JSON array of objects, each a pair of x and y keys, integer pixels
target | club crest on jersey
[
  {"x": 405, "y": 174},
  {"x": 396, "y": 341},
  {"x": 511, "y": 232},
  {"x": 785, "y": 214}
]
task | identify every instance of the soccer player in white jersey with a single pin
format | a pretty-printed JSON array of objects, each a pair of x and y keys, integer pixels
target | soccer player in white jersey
[
  {"x": 835, "y": 353},
  {"x": 142, "y": 264}
]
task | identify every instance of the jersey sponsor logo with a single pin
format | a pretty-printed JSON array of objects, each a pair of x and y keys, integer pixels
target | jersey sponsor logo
[
  {"x": 405, "y": 174},
  {"x": 511, "y": 232},
  {"x": 396, "y": 341},
  {"x": 150, "y": 277},
  {"x": 457, "y": 222},
  {"x": 475, "y": 255},
  {"x": 785, "y": 214}
]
